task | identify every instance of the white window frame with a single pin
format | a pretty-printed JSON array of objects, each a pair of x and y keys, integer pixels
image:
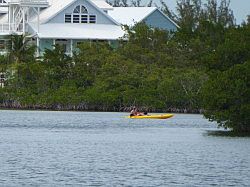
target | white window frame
[
  {"x": 87, "y": 16},
  {"x": 70, "y": 18},
  {"x": 95, "y": 18},
  {"x": 79, "y": 18},
  {"x": 80, "y": 14}
]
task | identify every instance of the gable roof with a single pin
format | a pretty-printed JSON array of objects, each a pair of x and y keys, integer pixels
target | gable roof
[
  {"x": 177, "y": 26},
  {"x": 77, "y": 31},
  {"x": 130, "y": 15},
  {"x": 57, "y": 6},
  {"x": 102, "y": 4}
]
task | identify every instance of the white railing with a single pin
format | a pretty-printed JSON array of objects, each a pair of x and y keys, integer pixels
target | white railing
[
  {"x": 24, "y": 2},
  {"x": 29, "y": 1},
  {"x": 7, "y": 28},
  {"x": 18, "y": 19}
]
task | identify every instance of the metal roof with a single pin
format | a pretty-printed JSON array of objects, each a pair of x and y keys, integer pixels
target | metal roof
[
  {"x": 56, "y": 6},
  {"x": 130, "y": 15},
  {"x": 79, "y": 31},
  {"x": 102, "y": 4}
]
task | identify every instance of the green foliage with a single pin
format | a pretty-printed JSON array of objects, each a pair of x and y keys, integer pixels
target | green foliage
[
  {"x": 235, "y": 49},
  {"x": 192, "y": 12},
  {"x": 165, "y": 9},
  {"x": 204, "y": 65},
  {"x": 20, "y": 50},
  {"x": 182, "y": 88},
  {"x": 226, "y": 97},
  {"x": 3, "y": 63}
]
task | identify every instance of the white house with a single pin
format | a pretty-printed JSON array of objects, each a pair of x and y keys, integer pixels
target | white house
[{"x": 68, "y": 22}]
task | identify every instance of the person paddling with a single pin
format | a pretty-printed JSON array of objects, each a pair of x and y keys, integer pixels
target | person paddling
[{"x": 134, "y": 112}]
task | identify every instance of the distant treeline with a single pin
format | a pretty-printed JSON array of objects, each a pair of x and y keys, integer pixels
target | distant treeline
[{"x": 205, "y": 65}]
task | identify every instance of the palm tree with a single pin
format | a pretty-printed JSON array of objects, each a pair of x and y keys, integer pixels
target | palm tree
[{"x": 20, "y": 49}]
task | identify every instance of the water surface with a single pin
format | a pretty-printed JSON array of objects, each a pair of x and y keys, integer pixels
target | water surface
[{"x": 41, "y": 148}]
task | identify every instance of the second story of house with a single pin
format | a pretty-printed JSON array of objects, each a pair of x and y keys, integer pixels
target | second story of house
[
  {"x": 152, "y": 16},
  {"x": 76, "y": 11},
  {"x": 36, "y": 16}
]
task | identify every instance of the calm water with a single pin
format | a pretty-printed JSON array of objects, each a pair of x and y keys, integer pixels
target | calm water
[{"x": 105, "y": 149}]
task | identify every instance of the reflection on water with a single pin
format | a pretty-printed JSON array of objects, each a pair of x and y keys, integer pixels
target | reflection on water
[{"x": 107, "y": 149}]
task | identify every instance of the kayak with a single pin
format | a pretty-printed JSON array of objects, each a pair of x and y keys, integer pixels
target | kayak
[{"x": 163, "y": 116}]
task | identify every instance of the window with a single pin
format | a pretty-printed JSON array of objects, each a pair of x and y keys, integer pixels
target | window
[
  {"x": 80, "y": 15},
  {"x": 84, "y": 10},
  {"x": 77, "y": 10},
  {"x": 84, "y": 18},
  {"x": 63, "y": 43},
  {"x": 92, "y": 19},
  {"x": 80, "y": 10},
  {"x": 2, "y": 44},
  {"x": 76, "y": 18},
  {"x": 68, "y": 18}
]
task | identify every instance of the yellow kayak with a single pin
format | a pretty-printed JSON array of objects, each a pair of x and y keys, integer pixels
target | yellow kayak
[{"x": 163, "y": 116}]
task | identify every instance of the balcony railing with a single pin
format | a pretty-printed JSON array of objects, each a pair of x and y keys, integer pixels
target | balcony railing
[
  {"x": 28, "y": 1},
  {"x": 24, "y": 2},
  {"x": 8, "y": 28}
]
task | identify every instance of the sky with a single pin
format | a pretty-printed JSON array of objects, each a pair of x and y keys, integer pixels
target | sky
[{"x": 241, "y": 8}]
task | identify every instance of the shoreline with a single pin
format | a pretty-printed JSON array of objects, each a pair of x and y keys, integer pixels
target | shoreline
[
  {"x": 215, "y": 133},
  {"x": 126, "y": 110}
]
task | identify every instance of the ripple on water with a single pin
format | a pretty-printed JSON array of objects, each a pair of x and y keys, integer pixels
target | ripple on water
[{"x": 105, "y": 149}]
